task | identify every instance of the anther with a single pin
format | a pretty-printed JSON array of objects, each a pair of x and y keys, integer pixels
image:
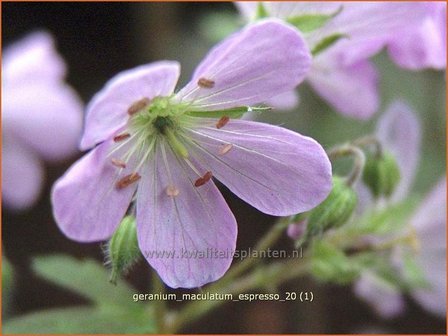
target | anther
[
  {"x": 138, "y": 106},
  {"x": 204, "y": 179},
  {"x": 121, "y": 137},
  {"x": 128, "y": 180},
  {"x": 172, "y": 191},
  {"x": 222, "y": 122},
  {"x": 206, "y": 83},
  {"x": 225, "y": 149},
  {"x": 118, "y": 163}
]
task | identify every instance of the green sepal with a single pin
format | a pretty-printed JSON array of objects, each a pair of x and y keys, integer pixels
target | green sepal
[
  {"x": 309, "y": 22},
  {"x": 122, "y": 249},
  {"x": 327, "y": 42},
  {"x": 261, "y": 12},
  {"x": 413, "y": 275},
  {"x": 381, "y": 174},
  {"x": 234, "y": 113},
  {"x": 334, "y": 211}
]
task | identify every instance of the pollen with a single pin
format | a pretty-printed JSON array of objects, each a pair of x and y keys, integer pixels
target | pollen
[
  {"x": 225, "y": 149},
  {"x": 204, "y": 179},
  {"x": 121, "y": 137},
  {"x": 222, "y": 122},
  {"x": 118, "y": 163},
  {"x": 206, "y": 83},
  {"x": 128, "y": 180},
  {"x": 172, "y": 191},
  {"x": 138, "y": 106}
]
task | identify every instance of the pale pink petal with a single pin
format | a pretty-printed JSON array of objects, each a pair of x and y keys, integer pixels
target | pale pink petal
[
  {"x": 351, "y": 90},
  {"x": 193, "y": 223},
  {"x": 399, "y": 131},
  {"x": 87, "y": 205},
  {"x": 261, "y": 61},
  {"x": 45, "y": 116},
  {"x": 430, "y": 225},
  {"x": 424, "y": 45},
  {"x": 22, "y": 175},
  {"x": 108, "y": 110},
  {"x": 285, "y": 101},
  {"x": 386, "y": 300},
  {"x": 32, "y": 59},
  {"x": 277, "y": 171}
]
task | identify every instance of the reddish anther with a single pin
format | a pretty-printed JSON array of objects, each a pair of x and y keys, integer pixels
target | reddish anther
[
  {"x": 121, "y": 137},
  {"x": 118, "y": 163},
  {"x": 206, "y": 83},
  {"x": 204, "y": 179},
  {"x": 222, "y": 122},
  {"x": 128, "y": 180},
  {"x": 138, "y": 106}
]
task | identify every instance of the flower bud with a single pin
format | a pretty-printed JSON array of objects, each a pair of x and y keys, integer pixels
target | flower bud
[
  {"x": 334, "y": 211},
  {"x": 122, "y": 250},
  {"x": 381, "y": 174},
  {"x": 296, "y": 230}
]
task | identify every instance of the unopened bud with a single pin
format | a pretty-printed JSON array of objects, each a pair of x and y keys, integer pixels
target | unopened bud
[
  {"x": 381, "y": 174},
  {"x": 335, "y": 211},
  {"x": 122, "y": 250},
  {"x": 296, "y": 230}
]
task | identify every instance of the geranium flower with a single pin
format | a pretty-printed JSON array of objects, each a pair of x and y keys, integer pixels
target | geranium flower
[
  {"x": 41, "y": 117},
  {"x": 358, "y": 30},
  {"x": 160, "y": 151}
]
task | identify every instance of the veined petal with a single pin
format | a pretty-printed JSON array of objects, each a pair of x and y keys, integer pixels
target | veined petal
[
  {"x": 180, "y": 229},
  {"x": 261, "y": 61},
  {"x": 33, "y": 58},
  {"x": 22, "y": 175},
  {"x": 399, "y": 130},
  {"x": 285, "y": 101},
  {"x": 277, "y": 171},
  {"x": 87, "y": 205},
  {"x": 108, "y": 110},
  {"x": 352, "y": 90},
  {"x": 45, "y": 116}
]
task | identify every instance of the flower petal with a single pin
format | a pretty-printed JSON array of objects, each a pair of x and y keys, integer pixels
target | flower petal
[
  {"x": 86, "y": 204},
  {"x": 430, "y": 224},
  {"x": 358, "y": 97},
  {"x": 46, "y": 116},
  {"x": 22, "y": 175},
  {"x": 179, "y": 235},
  {"x": 285, "y": 101},
  {"x": 399, "y": 130},
  {"x": 107, "y": 112},
  {"x": 33, "y": 58},
  {"x": 253, "y": 65},
  {"x": 425, "y": 45},
  {"x": 277, "y": 171},
  {"x": 369, "y": 26}
]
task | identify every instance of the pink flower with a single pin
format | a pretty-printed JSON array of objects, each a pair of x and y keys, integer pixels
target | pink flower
[
  {"x": 160, "y": 150},
  {"x": 41, "y": 116}
]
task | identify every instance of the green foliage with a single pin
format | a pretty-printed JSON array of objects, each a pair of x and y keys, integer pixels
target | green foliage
[
  {"x": 413, "y": 275},
  {"x": 112, "y": 311},
  {"x": 261, "y": 11},
  {"x": 309, "y": 22},
  {"x": 326, "y": 43}
]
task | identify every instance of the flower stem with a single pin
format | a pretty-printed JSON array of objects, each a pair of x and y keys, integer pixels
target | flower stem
[
  {"x": 359, "y": 160},
  {"x": 370, "y": 140},
  {"x": 160, "y": 305}
]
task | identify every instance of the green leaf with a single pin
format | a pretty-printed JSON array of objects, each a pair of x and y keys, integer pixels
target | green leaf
[
  {"x": 329, "y": 263},
  {"x": 88, "y": 278},
  {"x": 385, "y": 221},
  {"x": 236, "y": 112},
  {"x": 413, "y": 275},
  {"x": 85, "y": 320},
  {"x": 261, "y": 11},
  {"x": 309, "y": 22},
  {"x": 327, "y": 42}
]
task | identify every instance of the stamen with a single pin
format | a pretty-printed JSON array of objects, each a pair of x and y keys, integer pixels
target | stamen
[
  {"x": 225, "y": 149},
  {"x": 138, "y": 106},
  {"x": 128, "y": 180},
  {"x": 222, "y": 122},
  {"x": 206, "y": 83},
  {"x": 204, "y": 179},
  {"x": 172, "y": 191},
  {"x": 121, "y": 137},
  {"x": 118, "y": 163}
]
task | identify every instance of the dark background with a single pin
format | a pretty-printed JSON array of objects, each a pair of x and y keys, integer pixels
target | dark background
[{"x": 97, "y": 40}]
